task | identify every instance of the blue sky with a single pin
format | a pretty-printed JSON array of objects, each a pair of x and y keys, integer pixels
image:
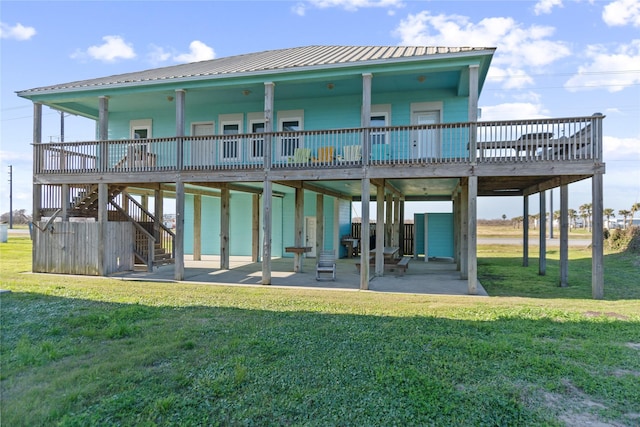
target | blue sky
[{"x": 555, "y": 58}]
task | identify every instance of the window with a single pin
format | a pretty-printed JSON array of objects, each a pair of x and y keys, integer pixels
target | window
[
  {"x": 257, "y": 143},
  {"x": 289, "y": 121},
  {"x": 230, "y": 127},
  {"x": 378, "y": 137},
  {"x": 230, "y": 146},
  {"x": 289, "y": 143}
]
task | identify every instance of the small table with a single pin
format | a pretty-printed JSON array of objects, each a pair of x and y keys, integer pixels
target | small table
[
  {"x": 351, "y": 245},
  {"x": 389, "y": 252},
  {"x": 298, "y": 251}
]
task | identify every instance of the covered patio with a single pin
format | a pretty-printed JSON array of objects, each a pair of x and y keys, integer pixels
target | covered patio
[{"x": 437, "y": 277}]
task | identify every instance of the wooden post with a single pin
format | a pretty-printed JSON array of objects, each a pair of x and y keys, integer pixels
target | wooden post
[
  {"x": 197, "y": 227},
  {"x": 144, "y": 201},
  {"x": 564, "y": 235},
  {"x": 319, "y": 224},
  {"x": 395, "y": 241},
  {"x": 103, "y": 132},
  {"x": 542, "y": 260},
  {"x": 266, "y": 232},
  {"x": 225, "y": 200},
  {"x": 388, "y": 220},
  {"x": 255, "y": 228},
  {"x": 64, "y": 201},
  {"x": 464, "y": 238},
  {"x": 364, "y": 235},
  {"x": 456, "y": 229},
  {"x": 298, "y": 258},
  {"x": 551, "y": 214},
  {"x": 180, "y": 104},
  {"x": 472, "y": 245},
  {"x": 380, "y": 229},
  {"x": 103, "y": 199},
  {"x": 401, "y": 235},
  {"x": 158, "y": 212},
  {"x": 525, "y": 232},
  {"x": 597, "y": 237},
  {"x": 179, "y": 240},
  {"x": 268, "y": 185}
]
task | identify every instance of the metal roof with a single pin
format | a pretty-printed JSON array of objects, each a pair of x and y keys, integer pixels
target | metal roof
[{"x": 272, "y": 60}]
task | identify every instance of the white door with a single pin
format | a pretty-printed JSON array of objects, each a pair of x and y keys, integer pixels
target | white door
[
  {"x": 426, "y": 143},
  {"x": 310, "y": 235}
]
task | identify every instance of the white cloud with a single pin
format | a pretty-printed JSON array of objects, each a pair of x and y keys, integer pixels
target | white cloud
[
  {"x": 518, "y": 46},
  {"x": 16, "y": 32},
  {"x": 299, "y": 9},
  {"x": 113, "y": 49},
  {"x": 198, "y": 51},
  {"x": 157, "y": 55},
  {"x": 545, "y": 6},
  {"x": 513, "y": 111},
  {"x": 627, "y": 149},
  {"x": 622, "y": 12},
  {"x": 612, "y": 71},
  {"x": 349, "y": 5}
]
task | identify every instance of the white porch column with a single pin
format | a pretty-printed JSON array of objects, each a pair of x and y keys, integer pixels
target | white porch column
[
  {"x": 542, "y": 260},
  {"x": 564, "y": 235},
  {"x": 225, "y": 211},
  {"x": 269, "y": 88},
  {"x": 473, "y": 111},
  {"x": 365, "y": 120},
  {"x": 179, "y": 249},
  {"x": 103, "y": 131},
  {"x": 36, "y": 201},
  {"x": 472, "y": 245},
  {"x": 180, "y": 103}
]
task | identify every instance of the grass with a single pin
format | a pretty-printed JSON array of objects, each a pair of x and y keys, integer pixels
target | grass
[{"x": 81, "y": 351}]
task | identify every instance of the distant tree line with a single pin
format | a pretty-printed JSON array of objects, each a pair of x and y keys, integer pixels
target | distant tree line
[
  {"x": 583, "y": 213},
  {"x": 20, "y": 216}
]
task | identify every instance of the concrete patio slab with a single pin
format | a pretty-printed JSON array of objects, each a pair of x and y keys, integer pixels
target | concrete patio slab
[{"x": 437, "y": 277}]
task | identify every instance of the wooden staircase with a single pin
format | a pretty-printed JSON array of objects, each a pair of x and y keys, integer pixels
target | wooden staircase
[{"x": 122, "y": 207}]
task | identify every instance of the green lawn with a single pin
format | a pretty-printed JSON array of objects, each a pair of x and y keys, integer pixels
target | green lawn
[{"x": 81, "y": 351}]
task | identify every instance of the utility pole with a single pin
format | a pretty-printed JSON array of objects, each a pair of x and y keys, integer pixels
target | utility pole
[
  {"x": 61, "y": 126},
  {"x": 551, "y": 213},
  {"x": 11, "y": 197}
]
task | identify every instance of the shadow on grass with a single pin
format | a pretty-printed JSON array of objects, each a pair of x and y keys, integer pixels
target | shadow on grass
[
  {"x": 72, "y": 361},
  {"x": 502, "y": 276}
]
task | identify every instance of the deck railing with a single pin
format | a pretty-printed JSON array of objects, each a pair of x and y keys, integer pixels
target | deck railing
[{"x": 569, "y": 139}]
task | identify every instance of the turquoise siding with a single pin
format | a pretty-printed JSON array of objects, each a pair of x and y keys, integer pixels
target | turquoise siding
[
  {"x": 439, "y": 235},
  {"x": 344, "y": 221},
  {"x": 240, "y": 228}
]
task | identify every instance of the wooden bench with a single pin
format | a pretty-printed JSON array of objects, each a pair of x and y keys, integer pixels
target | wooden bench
[{"x": 400, "y": 267}]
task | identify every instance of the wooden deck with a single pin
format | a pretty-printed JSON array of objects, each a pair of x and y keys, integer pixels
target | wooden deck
[{"x": 395, "y": 151}]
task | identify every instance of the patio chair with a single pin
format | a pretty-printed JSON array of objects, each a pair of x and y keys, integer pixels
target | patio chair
[
  {"x": 325, "y": 155},
  {"x": 300, "y": 156},
  {"x": 326, "y": 265},
  {"x": 351, "y": 153}
]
